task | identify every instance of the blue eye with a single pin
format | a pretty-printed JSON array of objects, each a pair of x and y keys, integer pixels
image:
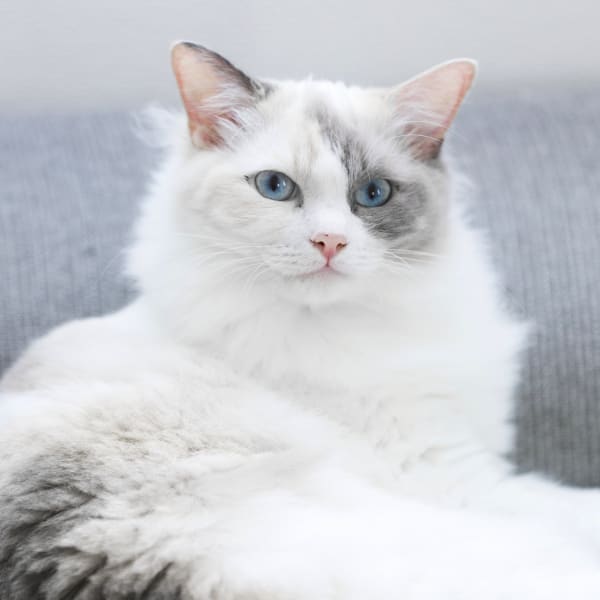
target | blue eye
[
  {"x": 373, "y": 193},
  {"x": 274, "y": 185}
]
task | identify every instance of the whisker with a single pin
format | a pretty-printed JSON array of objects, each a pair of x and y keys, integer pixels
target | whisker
[
  {"x": 220, "y": 241},
  {"x": 399, "y": 270},
  {"x": 212, "y": 259},
  {"x": 403, "y": 251},
  {"x": 234, "y": 271},
  {"x": 255, "y": 276}
]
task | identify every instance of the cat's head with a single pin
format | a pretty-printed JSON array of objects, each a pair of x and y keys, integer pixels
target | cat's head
[{"x": 310, "y": 188}]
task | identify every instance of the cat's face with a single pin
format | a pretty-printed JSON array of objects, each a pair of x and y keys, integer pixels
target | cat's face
[{"x": 312, "y": 187}]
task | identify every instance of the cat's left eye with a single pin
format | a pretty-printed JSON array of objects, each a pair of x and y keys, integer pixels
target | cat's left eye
[
  {"x": 274, "y": 185},
  {"x": 373, "y": 193}
]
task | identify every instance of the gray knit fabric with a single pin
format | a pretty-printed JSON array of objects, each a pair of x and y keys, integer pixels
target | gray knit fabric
[
  {"x": 69, "y": 188},
  {"x": 535, "y": 161}
]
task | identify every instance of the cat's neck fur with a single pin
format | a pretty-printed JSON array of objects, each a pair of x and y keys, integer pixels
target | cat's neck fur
[{"x": 389, "y": 347}]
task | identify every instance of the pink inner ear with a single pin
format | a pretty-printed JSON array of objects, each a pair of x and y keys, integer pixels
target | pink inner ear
[
  {"x": 430, "y": 102},
  {"x": 197, "y": 82},
  {"x": 203, "y": 77}
]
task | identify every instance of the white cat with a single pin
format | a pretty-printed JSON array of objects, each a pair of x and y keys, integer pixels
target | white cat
[{"x": 311, "y": 397}]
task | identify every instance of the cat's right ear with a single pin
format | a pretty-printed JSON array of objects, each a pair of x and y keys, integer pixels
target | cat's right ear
[
  {"x": 212, "y": 89},
  {"x": 432, "y": 99}
]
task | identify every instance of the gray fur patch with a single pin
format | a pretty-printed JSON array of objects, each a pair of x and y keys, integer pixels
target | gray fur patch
[
  {"x": 404, "y": 217},
  {"x": 41, "y": 505},
  {"x": 344, "y": 143},
  {"x": 408, "y": 215},
  {"x": 262, "y": 89}
]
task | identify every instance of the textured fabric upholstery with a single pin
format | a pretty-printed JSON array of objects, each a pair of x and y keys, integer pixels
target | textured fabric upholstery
[
  {"x": 535, "y": 163},
  {"x": 69, "y": 188}
]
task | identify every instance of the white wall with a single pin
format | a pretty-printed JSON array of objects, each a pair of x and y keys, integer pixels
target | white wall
[{"x": 103, "y": 54}]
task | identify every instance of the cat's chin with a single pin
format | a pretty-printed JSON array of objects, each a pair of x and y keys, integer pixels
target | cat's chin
[{"x": 319, "y": 287}]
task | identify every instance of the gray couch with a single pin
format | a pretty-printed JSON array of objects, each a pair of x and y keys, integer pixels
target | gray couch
[{"x": 70, "y": 186}]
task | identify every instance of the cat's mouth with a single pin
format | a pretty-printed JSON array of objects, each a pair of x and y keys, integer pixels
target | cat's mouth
[{"x": 323, "y": 272}]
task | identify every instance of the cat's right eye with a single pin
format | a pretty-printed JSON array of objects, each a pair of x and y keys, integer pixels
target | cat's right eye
[
  {"x": 374, "y": 193},
  {"x": 274, "y": 185}
]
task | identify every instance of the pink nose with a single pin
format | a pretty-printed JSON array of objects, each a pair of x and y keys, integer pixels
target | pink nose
[{"x": 328, "y": 244}]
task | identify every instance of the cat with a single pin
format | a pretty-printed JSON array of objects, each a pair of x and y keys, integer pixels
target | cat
[{"x": 312, "y": 395}]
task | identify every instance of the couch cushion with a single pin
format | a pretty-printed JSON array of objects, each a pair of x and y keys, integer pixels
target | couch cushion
[
  {"x": 70, "y": 186},
  {"x": 534, "y": 159},
  {"x": 69, "y": 190}
]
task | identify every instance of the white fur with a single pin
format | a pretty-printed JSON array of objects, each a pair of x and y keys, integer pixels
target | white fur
[{"x": 349, "y": 429}]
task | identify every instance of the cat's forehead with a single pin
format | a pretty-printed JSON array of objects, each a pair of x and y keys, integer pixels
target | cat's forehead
[
  {"x": 322, "y": 117},
  {"x": 330, "y": 103}
]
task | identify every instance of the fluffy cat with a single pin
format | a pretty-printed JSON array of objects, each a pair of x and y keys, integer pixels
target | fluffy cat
[{"x": 311, "y": 397}]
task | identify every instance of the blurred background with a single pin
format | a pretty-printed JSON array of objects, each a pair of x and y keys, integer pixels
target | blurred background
[{"x": 75, "y": 55}]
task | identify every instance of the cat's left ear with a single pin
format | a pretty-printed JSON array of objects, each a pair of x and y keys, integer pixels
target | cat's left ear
[
  {"x": 427, "y": 104},
  {"x": 213, "y": 91}
]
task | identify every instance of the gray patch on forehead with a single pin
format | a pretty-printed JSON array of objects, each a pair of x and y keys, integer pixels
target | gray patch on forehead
[
  {"x": 344, "y": 142},
  {"x": 407, "y": 219}
]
